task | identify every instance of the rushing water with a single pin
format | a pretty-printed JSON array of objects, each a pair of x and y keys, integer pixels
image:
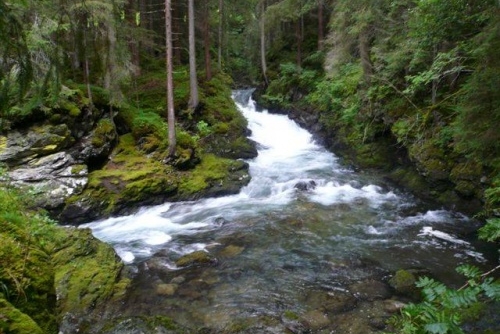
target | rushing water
[{"x": 305, "y": 227}]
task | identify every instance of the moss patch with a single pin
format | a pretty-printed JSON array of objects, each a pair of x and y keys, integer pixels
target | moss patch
[
  {"x": 128, "y": 177},
  {"x": 87, "y": 271},
  {"x": 212, "y": 172},
  {"x": 40, "y": 261},
  {"x": 16, "y": 322}
]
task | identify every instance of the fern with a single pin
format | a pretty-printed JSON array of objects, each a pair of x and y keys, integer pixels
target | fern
[
  {"x": 490, "y": 231},
  {"x": 441, "y": 310}
]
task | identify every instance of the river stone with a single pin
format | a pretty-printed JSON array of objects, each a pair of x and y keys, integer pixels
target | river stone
[
  {"x": 393, "y": 306},
  {"x": 305, "y": 185},
  {"x": 335, "y": 301},
  {"x": 403, "y": 282},
  {"x": 197, "y": 258},
  {"x": 166, "y": 289},
  {"x": 231, "y": 251},
  {"x": 370, "y": 290},
  {"x": 315, "y": 320}
]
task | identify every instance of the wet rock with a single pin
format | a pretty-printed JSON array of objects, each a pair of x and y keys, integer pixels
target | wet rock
[
  {"x": 197, "y": 258},
  {"x": 393, "y": 306},
  {"x": 21, "y": 146},
  {"x": 370, "y": 290},
  {"x": 142, "y": 325},
  {"x": 315, "y": 320},
  {"x": 331, "y": 301},
  {"x": 221, "y": 221},
  {"x": 166, "y": 289},
  {"x": 54, "y": 177},
  {"x": 305, "y": 185},
  {"x": 97, "y": 145},
  {"x": 178, "y": 280},
  {"x": 404, "y": 283},
  {"x": 231, "y": 251},
  {"x": 377, "y": 323}
]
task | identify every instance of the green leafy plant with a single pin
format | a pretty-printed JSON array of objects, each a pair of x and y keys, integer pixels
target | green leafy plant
[{"x": 442, "y": 309}]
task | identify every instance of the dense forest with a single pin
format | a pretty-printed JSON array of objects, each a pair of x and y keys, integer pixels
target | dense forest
[{"x": 106, "y": 105}]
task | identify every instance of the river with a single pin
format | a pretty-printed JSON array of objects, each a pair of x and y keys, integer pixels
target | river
[{"x": 308, "y": 244}]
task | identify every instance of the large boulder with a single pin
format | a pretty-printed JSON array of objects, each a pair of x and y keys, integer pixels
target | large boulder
[
  {"x": 21, "y": 146},
  {"x": 52, "y": 178},
  {"x": 44, "y": 159}
]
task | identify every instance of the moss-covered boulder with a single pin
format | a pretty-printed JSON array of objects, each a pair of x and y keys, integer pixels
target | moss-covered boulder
[
  {"x": 214, "y": 176},
  {"x": 20, "y": 146},
  {"x": 49, "y": 273},
  {"x": 129, "y": 177},
  {"x": 403, "y": 282},
  {"x": 13, "y": 321}
]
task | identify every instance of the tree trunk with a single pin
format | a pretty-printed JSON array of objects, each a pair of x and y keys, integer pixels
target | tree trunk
[
  {"x": 219, "y": 49},
  {"x": 321, "y": 25},
  {"x": 133, "y": 43},
  {"x": 86, "y": 73},
  {"x": 193, "y": 81},
  {"x": 177, "y": 31},
  {"x": 263, "y": 42},
  {"x": 170, "y": 86},
  {"x": 206, "y": 42}
]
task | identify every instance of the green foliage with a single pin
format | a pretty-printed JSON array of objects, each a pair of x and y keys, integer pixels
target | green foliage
[
  {"x": 291, "y": 81},
  {"x": 491, "y": 230},
  {"x": 443, "y": 309},
  {"x": 203, "y": 128},
  {"x": 337, "y": 97}
]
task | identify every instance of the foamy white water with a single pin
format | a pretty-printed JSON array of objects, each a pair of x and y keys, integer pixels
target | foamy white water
[{"x": 351, "y": 210}]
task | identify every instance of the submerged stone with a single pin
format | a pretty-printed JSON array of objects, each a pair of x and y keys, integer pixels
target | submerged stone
[{"x": 197, "y": 258}]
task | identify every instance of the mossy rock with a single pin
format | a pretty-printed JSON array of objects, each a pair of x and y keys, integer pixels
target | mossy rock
[
  {"x": 41, "y": 260},
  {"x": 403, "y": 282},
  {"x": 214, "y": 176},
  {"x": 431, "y": 160},
  {"x": 27, "y": 272},
  {"x": 153, "y": 324},
  {"x": 197, "y": 258},
  {"x": 13, "y": 321},
  {"x": 129, "y": 177},
  {"x": 86, "y": 272}
]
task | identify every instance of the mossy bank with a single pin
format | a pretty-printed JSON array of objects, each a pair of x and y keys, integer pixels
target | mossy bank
[{"x": 51, "y": 276}]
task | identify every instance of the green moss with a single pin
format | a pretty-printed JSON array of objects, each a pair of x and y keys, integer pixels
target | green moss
[
  {"x": 404, "y": 283},
  {"x": 39, "y": 258},
  {"x": 27, "y": 271},
  {"x": 128, "y": 177},
  {"x": 14, "y": 321},
  {"x": 195, "y": 258},
  {"x": 291, "y": 315},
  {"x": 86, "y": 272},
  {"x": 3, "y": 143},
  {"x": 78, "y": 169},
  {"x": 72, "y": 108},
  {"x": 211, "y": 171},
  {"x": 104, "y": 132}
]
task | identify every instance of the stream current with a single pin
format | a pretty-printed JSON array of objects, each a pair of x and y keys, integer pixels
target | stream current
[{"x": 308, "y": 244}]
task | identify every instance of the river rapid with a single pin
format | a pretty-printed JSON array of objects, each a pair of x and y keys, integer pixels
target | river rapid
[{"x": 309, "y": 245}]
